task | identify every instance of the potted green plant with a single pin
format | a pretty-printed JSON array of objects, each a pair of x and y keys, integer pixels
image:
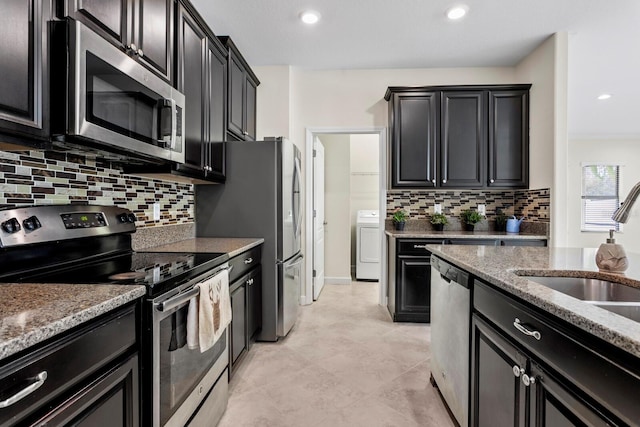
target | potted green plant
[
  {"x": 470, "y": 218},
  {"x": 399, "y": 218},
  {"x": 439, "y": 220},
  {"x": 501, "y": 220}
]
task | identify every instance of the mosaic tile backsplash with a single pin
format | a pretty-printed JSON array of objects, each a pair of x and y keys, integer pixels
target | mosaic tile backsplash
[
  {"x": 43, "y": 177},
  {"x": 533, "y": 204}
]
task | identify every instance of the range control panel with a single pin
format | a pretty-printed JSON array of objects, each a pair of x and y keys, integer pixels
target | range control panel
[{"x": 39, "y": 224}]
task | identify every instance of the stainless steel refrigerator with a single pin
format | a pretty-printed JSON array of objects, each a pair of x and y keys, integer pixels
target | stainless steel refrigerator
[{"x": 262, "y": 198}]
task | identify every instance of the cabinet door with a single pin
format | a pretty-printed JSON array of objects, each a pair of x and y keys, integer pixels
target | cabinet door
[
  {"x": 110, "y": 18},
  {"x": 24, "y": 67},
  {"x": 239, "y": 339},
  {"x": 523, "y": 242},
  {"x": 250, "y": 110},
  {"x": 463, "y": 139},
  {"x": 236, "y": 94},
  {"x": 217, "y": 104},
  {"x": 498, "y": 396},
  {"x": 192, "y": 42},
  {"x": 413, "y": 287},
  {"x": 154, "y": 30},
  {"x": 414, "y": 139},
  {"x": 110, "y": 400},
  {"x": 553, "y": 405},
  {"x": 508, "y": 139},
  {"x": 254, "y": 307}
]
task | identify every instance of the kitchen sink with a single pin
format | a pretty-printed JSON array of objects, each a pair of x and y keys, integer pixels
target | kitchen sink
[
  {"x": 629, "y": 310},
  {"x": 591, "y": 290}
]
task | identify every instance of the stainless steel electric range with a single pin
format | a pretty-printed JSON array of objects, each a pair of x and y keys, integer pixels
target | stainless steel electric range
[{"x": 92, "y": 244}]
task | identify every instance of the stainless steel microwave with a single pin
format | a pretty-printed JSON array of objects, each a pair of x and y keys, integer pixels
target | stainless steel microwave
[{"x": 113, "y": 103}]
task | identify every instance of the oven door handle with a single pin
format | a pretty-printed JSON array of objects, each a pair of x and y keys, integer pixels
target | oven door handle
[{"x": 178, "y": 300}]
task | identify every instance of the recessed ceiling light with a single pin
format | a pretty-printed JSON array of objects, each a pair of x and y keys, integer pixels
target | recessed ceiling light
[
  {"x": 310, "y": 17},
  {"x": 457, "y": 12},
  {"x": 604, "y": 96}
]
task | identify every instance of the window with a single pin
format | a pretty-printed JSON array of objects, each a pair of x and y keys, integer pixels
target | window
[{"x": 600, "y": 197}]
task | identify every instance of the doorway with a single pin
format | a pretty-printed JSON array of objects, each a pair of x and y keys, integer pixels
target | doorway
[{"x": 349, "y": 154}]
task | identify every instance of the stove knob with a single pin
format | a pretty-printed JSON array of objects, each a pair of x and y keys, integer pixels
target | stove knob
[
  {"x": 11, "y": 226},
  {"x": 132, "y": 218},
  {"x": 122, "y": 218},
  {"x": 31, "y": 223}
]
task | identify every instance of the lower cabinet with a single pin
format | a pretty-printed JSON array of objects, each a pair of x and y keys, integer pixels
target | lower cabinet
[
  {"x": 245, "y": 289},
  {"x": 528, "y": 370},
  {"x": 88, "y": 377}
]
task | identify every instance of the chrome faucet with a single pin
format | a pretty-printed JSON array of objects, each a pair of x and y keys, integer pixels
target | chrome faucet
[{"x": 622, "y": 213}]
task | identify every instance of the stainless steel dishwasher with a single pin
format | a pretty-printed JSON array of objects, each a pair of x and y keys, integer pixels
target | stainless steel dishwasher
[{"x": 450, "y": 329}]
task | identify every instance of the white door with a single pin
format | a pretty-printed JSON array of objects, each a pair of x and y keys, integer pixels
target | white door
[{"x": 318, "y": 217}]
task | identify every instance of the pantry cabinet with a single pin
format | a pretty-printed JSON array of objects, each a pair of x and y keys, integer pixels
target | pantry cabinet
[{"x": 466, "y": 137}]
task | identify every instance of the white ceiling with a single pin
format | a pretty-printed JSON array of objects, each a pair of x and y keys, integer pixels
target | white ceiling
[{"x": 604, "y": 44}]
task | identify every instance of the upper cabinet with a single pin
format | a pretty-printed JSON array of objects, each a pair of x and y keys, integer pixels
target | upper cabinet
[
  {"x": 242, "y": 84},
  {"x": 142, "y": 28},
  {"x": 24, "y": 86},
  {"x": 459, "y": 136},
  {"x": 202, "y": 78}
]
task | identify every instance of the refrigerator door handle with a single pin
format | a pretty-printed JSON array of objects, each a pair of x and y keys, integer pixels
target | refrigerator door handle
[
  {"x": 297, "y": 261},
  {"x": 297, "y": 213}
]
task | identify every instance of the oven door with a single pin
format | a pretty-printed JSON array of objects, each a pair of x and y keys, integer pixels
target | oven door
[
  {"x": 117, "y": 102},
  {"x": 182, "y": 377}
]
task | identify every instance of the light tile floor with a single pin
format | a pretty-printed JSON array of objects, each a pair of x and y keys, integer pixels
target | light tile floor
[{"x": 345, "y": 363}]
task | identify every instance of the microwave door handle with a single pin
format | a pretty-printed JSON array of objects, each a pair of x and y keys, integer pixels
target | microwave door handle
[{"x": 174, "y": 123}]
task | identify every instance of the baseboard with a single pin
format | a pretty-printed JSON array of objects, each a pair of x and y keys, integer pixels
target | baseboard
[{"x": 337, "y": 280}]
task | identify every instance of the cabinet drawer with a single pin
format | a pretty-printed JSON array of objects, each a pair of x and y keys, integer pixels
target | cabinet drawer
[
  {"x": 66, "y": 362},
  {"x": 574, "y": 355},
  {"x": 244, "y": 262},
  {"x": 417, "y": 246}
]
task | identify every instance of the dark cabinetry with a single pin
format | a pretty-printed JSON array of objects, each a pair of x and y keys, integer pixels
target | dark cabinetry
[
  {"x": 87, "y": 377},
  {"x": 142, "y": 28},
  {"x": 24, "y": 93},
  {"x": 201, "y": 77},
  {"x": 246, "y": 303},
  {"x": 459, "y": 136},
  {"x": 242, "y": 84},
  {"x": 530, "y": 369}
]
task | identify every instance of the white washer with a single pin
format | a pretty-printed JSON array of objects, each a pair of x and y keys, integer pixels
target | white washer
[{"x": 368, "y": 245}]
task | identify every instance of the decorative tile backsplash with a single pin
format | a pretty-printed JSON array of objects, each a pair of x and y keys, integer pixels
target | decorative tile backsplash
[
  {"x": 534, "y": 204},
  {"x": 43, "y": 177}
]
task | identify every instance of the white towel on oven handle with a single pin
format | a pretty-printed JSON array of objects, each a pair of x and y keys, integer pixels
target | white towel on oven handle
[
  {"x": 192, "y": 324},
  {"x": 214, "y": 309}
]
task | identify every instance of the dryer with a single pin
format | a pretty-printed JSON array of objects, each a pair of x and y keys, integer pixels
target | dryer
[{"x": 368, "y": 245}]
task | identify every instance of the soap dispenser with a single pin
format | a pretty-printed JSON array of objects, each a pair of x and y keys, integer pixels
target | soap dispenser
[{"x": 611, "y": 257}]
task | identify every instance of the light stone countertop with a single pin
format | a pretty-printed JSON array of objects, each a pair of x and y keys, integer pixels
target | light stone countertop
[
  {"x": 497, "y": 265},
  {"x": 461, "y": 234},
  {"x": 31, "y": 313},
  {"x": 231, "y": 245}
]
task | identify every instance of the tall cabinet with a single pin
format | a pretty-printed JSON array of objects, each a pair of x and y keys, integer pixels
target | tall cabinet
[{"x": 464, "y": 137}]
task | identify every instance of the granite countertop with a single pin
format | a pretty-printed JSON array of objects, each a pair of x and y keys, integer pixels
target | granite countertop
[
  {"x": 31, "y": 313},
  {"x": 498, "y": 265},
  {"x": 231, "y": 245},
  {"x": 461, "y": 234}
]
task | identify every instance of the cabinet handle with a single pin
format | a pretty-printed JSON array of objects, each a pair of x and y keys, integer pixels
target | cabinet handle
[
  {"x": 519, "y": 326},
  {"x": 420, "y": 246},
  {"x": 433, "y": 181},
  {"x": 492, "y": 181},
  {"x": 248, "y": 260},
  {"x": 132, "y": 48},
  {"x": 517, "y": 370},
  {"x": 140, "y": 53},
  {"x": 444, "y": 181},
  {"x": 250, "y": 282},
  {"x": 40, "y": 379},
  {"x": 528, "y": 380},
  {"x": 245, "y": 133}
]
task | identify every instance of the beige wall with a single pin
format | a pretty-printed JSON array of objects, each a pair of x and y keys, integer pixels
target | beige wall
[
  {"x": 365, "y": 180},
  {"x": 336, "y": 209},
  {"x": 622, "y": 152},
  {"x": 546, "y": 69},
  {"x": 273, "y": 101}
]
